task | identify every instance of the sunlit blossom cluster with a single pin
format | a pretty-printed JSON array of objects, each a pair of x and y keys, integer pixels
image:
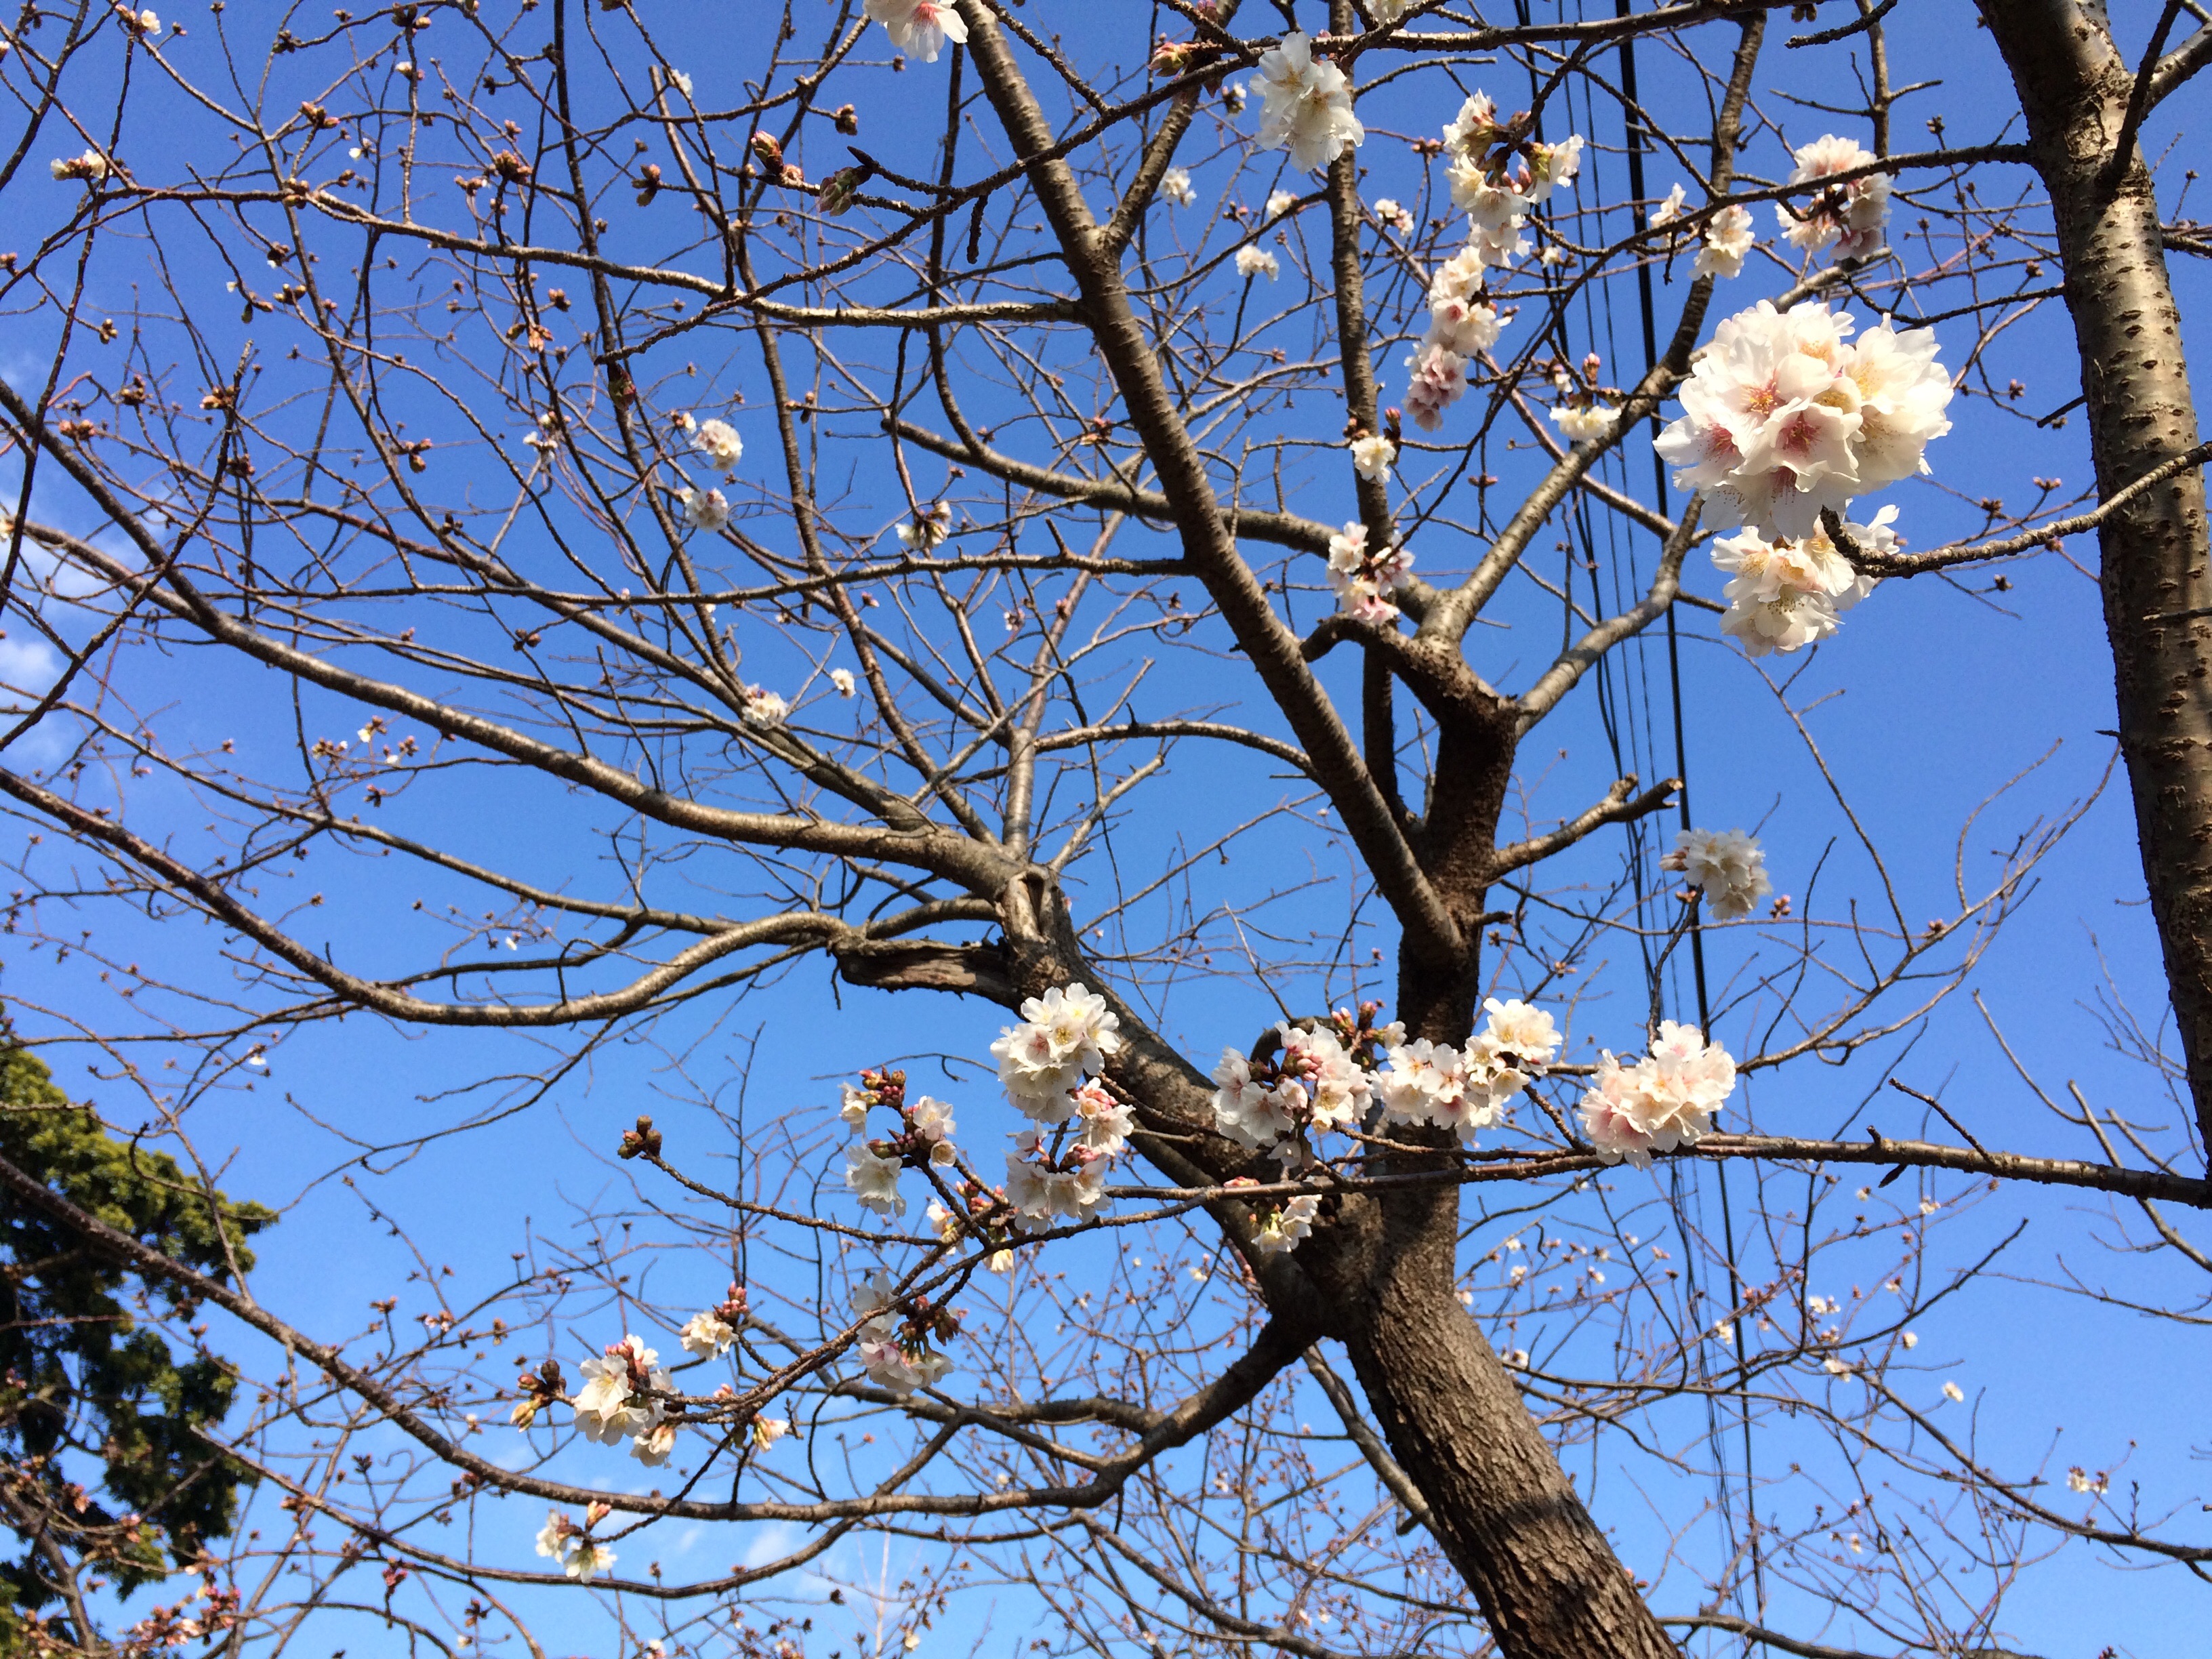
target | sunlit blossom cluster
[
  {"x": 1305, "y": 105},
  {"x": 1175, "y": 187},
  {"x": 91, "y": 166},
  {"x": 1255, "y": 261},
  {"x": 705, "y": 509},
  {"x": 1852, "y": 215},
  {"x": 1049, "y": 1064},
  {"x": 894, "y": 1338},
  {"x": 1280, "y": 1229},
  {"x": 718, "y": 441},
  {"x": 1728, "y": 240},
  {"x": 1468, "y": 1088},
  {"x": 1371, "y": 456},
  {"x": 1312, "y": 1080},
  {"x": 1785, "y": 416},
  {"x": 920, "y": 26},
  {"x": 709, "y": 1335},
  {"x": 1726, "y": 866},
  {"x": 1461, "y": 324},
  {"x": 580, "y": 1556},
  {"x": 924, "y": 1136},
  {"x": 624, "y": 1398},
  {"x": 1499, "y": 177},
  {"x": 1785, "y": 594},
  {"x": 1663, "y": 1101},
  {"x": 1364, "y": 581}
]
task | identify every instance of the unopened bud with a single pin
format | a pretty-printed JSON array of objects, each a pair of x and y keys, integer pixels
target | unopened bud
[
  {"x": 644, "y": 1138},
  {"x": 840, "y": 189}
]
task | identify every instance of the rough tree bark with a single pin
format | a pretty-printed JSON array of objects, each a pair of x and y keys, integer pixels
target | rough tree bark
[
  {"x": 1506, "y": 1513},
  {"x": 2075, "y": 90}
]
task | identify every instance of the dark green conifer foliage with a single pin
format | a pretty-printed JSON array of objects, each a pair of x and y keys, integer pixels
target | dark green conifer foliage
[{"x": 100, "y": 1464}]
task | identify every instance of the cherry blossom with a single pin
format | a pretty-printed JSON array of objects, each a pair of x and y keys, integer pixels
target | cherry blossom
[
  {"x": 842, "y": 679},
  {"x": 1280, "y": 1232},
  {"x": 1317, "y": 1076},
  {"x": 1066, "y": 1032},
  {"x": 1460, "y": 325},
  {"x": 873, "y": 1179},
  {"x": 589, "y": 1560},
  {"x": 1468, "y": 1089},
  {"x": 764, "y": 707},
  {"x": 705, "y": 509},
  {"x": 1786, "y": 594},
  {"x": 920, "y": 26},
  {"x": 767, "y": 1431},
  {"x": 619, "y": 1396},
  {"x": 930, "y": 526},
  {"x": 1106, "y": 1122},
  {"x": 1176, "y": 187},
  {"x": 1279, "y": 203},
  {"x": 653, "y": 1447},
  {"x": 1253, "y": 261},
  {"x": 1784, "y": 417},
  {"x": 91, "y": 166},
  {"x": 718, "y": 441},
  {"x": 1852, "y": 215},
  {"x": 1729, "y": 238},
  {"x": 1364, "y": 581},
  {"x": 894, "y": 1349},
  {"x": 1389, "y": 211},
  {"x": 707, "y": 1334},
  {"x": 1584, "y": 423},
  {"x": 1371, "y": 456},
  {"x": 1664, "y": 1101},
  {"x": 1668, "y": 210},
  {"x": 1727, "y": 867},
  {"x": 1305, "y": 105}
]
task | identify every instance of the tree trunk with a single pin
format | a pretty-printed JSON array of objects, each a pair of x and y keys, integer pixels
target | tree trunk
[{"x": 2074, "y": 90}]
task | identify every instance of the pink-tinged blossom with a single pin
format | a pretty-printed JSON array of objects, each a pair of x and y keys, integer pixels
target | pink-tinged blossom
[
  {"x": 1729, "y": 238},
  {"x": 1067, "y": 1031},
  {"x": 1364, "y": 581},
  {"x": 705, "y": 509},
  {"x": 1784, "y": 416},
  {"x": 1851, "y": 216},
  {"x": 1726, "y": 866},
  {"x": 718, "y": 441},
  {"x": 707, "y": 1334},
  {"x": 1466, "y": 1090},
  {"x": 1785, "y": 594},
  {"x": 920, "y": 26},
  {"x": 1305, "y": 105},
  {"x": 1664, "y": 1101}
]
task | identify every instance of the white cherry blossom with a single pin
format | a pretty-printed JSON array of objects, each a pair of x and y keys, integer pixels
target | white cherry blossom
[
  {"x": 842, "y": 679},
  {"x": 589, "y": 1560},
  {"x": 1729, "y": 237},
  {"x": 1279, "y": 203},
  {"x": 617, "y": 1401},
  {"x": 920, "y": 26},
  {"x": 707, "y": 1334},
  {"x": 718, "y": 441},
  {"x": 1850, "y": 215},
  {"x": 1281, "y": 1231},
  {"x": 764, "y": 707},
  {"x": 1371, "y": 456},
  {"x": 1664, "y": 1101},
  {"x": 1253, "y": 261},
  {"x": 705, "y": 509},
  {"x": 1584, "y": 423},
  {"x": 1175, "y": 187},
  {"x": 1786, "y": 594},
  {"x": 1364, "y": 581},
  {"x": 1784, "y": 416},
  {"x": 873, "y": 1179},
  {"x": 1726, "y": 866},
  {"x": 1305, "y": 105}
]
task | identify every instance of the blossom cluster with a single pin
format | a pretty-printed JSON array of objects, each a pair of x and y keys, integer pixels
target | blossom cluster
[
  {"x": 1499, "y": 177},
  {"x": 924, "y": 1136},
  {"x": 1280, "y": 1229},
  {"x": 1048, "y": 1065},
  {"x": 1317, "y": 1075},
  {"x": 1726, "y": 866},
  {"x": 894, "y": 1339},
  {"x": 1364, "y": 581},
  {"x": 1305, "y": 105},
  {"x": 1461, "y": 324},
  {"x": 1784, "y": 416},
  {"x": 1585, "y": 411},
  {"x": 710, "y": 1335},
  {"x": 580, "y": 1556},
  {"x": 624, "y": 1398},
  {"x": 1663, "y": 1101},
  {"x": 1850, "y": 215},
  {"x": 1728, "y": 239},
  {"x": 920, "y": 26},
  {"x": 1468, "y": 1088},
  {"x": 91, "y": 166},
  {"x": 1785, "y": 594}
]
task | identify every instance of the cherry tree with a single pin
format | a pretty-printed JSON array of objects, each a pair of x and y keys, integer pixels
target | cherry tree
[{"x": 1149, "y": 557}]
